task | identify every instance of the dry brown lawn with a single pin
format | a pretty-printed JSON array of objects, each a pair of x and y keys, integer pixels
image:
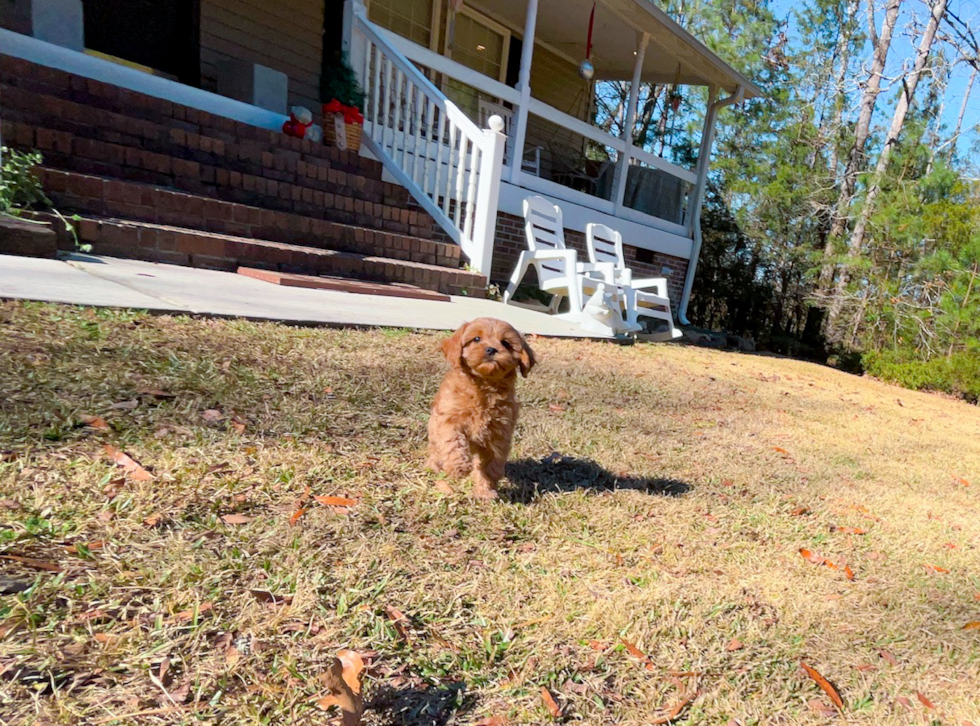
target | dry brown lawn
[{"x": 643, "y": 565}]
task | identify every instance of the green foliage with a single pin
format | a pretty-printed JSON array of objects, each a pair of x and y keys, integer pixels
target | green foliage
[
  {"x": 958, "y": 374},
  {"x": 338, "y": 81},
  {"x": 19, "y": 188}
]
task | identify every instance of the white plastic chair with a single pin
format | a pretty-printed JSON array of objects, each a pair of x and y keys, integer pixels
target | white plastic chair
[
  {"x": 594, "y": 299},
  {"x": 643, "y": 296}
]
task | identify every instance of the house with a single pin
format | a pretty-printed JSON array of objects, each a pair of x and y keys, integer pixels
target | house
[{"x": 159, "y": 124}]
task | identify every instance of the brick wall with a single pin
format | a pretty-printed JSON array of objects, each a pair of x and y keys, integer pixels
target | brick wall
[
  {"x": 510, "y": 242},
  {"x": 99, "y": 129}
]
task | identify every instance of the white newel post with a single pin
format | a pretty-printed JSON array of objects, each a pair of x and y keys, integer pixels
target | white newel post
[
  {"x": 488, "y": 195},
  {"x": 354, "y": 43}
]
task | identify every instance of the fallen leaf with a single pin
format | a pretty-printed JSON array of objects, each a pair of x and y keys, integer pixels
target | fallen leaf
[
  {"x": 821, "y": 708},
  {"x": 14, "y": 505},
  {"x": 811, "y": 557},
  {"x": 232, "y": 655},
  {"x": 128, "y": 465},
  {"x": 112, "y": 489},
  {"x": 865, "y": 667},
  {"x": 124, "y": 405},
  {"x": 599, "y": 645},
  {"x": 633, "y": 650},
  {"x": 296, "y": 515},
  {"x": 235, "y": 519},
  {"x": 904, "y": 701},
  {"x": 106, "y": 515},
  {"x": 189, "y": 614},
  {"x": 335, "y": 501},
  {"x": 848, "y": 530},
  {"x": 972, "y": 625},
  {"x": 344, "y": 681},
  {"x": 825, "y": 685},
  {"x": 153, "y": 520},
  {"x": 961, "y": 480},
  {"x": 212, "y": 415},
  {"x": 32, "y": 563},
  {"x": 95, "y": 422},
  {"x": 398, "y": 619},
  {"x": 73, "y": 549},
  {"x": 888, "y": 657},
  {"x": 492, "y": 721},
  {"x": 937, "y": 568},
  {"x": 781, "y": 450},
  {"x": 800, "y": 511},
  {"x": 239, "y": 427},
  {"x": 555, "y": 408},
  {"x": 734, "y": 644},
  {"x": 271, "y": 598},
  {"x": 848, "y": 572},
  {"x": 925, "y": 701},
  {"x": 105, "y": 638},
  {"x": 549, "y": 702}
]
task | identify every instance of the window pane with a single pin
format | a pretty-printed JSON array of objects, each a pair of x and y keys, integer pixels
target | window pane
[{"x": 409, "y": 18}]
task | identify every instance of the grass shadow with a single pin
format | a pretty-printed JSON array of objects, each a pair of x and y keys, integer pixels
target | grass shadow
[
  {"x": 557, "y": 473},
  {"x": 418, "y": 705}
]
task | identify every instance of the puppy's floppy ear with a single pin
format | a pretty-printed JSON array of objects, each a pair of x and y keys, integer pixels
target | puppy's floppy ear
[
  {"x": 452, "y": 347},
  {"x": 527, "y": 357}
]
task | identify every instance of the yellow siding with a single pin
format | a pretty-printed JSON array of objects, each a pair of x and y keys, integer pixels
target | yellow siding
[
  {"x": 285, "y": 35},
  {"x": 555, "y": 81}
]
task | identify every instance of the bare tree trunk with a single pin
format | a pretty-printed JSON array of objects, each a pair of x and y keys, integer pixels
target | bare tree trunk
[
  {"x": 840, "y": 97},
  {"x": 959, "y": 119},
  {"x": 855, "y": 159},
  {"x": 898, "y": 121}
]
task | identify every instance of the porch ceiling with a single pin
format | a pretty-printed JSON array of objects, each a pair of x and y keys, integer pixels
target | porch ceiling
[{"x": 672, "y": 53}]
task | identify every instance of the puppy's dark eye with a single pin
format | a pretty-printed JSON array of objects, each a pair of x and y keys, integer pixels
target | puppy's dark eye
[
  {"x": 476, "y": 339},
  {"x": 507, "y": 344}
]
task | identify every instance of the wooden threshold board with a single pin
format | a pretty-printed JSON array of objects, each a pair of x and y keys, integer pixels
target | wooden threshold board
[{"x": 342, "y": 284}]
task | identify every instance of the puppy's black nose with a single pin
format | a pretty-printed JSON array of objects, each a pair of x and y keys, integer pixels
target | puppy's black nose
[{"x": 491, "y": 351}]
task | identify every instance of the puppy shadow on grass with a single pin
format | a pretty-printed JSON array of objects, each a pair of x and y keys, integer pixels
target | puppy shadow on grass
[
  {"x": 414, "y": 705},
  {"x": 530, "y": 478}
]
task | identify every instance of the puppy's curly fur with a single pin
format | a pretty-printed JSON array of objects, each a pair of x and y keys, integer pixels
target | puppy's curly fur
[{"x": 475, "y": 411}]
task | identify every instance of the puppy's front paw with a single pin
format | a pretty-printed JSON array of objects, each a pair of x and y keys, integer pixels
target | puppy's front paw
[{"x": 485, "y": 492}]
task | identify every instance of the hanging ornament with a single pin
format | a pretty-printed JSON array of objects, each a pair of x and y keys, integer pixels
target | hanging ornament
[{"x": 585, "y": 69}]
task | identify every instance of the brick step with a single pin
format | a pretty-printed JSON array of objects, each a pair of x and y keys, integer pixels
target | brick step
[
  {"x": 106, "y": 197},
  {"x": 194, "y": 248},
  {"x": 107, "y": 99},
  {"x": 245, "y": 165}
]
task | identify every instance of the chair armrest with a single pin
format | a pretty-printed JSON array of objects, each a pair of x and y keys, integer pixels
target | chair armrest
[{"x": 606, "y": 269}]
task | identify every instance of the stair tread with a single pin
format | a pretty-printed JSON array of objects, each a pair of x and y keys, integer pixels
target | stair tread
[
  {"x": 118, "y": 199},
  {"x": 318, "y": 251}
]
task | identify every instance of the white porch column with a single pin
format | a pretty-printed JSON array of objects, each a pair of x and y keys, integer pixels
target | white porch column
[
  {"x": 622, "y": 170},
  {"x": 524, "y": 85},
  {"x": 353, "y": 43},
  {"x": 697, "y": 197}
]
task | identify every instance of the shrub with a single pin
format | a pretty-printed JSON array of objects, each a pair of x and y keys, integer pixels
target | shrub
[{"x": 958, "y": 374}]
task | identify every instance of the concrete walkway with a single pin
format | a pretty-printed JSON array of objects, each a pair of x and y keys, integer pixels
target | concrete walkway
[{"x": 110, "y": 282}]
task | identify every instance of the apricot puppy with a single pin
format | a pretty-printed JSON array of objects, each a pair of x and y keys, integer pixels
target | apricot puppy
[{"x": 475, "y": 411}]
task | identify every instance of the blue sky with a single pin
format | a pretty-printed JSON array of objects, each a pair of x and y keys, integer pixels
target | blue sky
[{"x": 903, "y": 49}]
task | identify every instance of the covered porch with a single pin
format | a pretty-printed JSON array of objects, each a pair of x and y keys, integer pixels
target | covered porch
[{"x": 520, "y": 60}]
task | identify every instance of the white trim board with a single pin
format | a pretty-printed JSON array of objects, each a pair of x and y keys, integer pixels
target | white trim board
[{"x": 98, "y": 69}]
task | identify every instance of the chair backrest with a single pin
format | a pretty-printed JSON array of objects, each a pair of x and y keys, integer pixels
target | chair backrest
[
  {"x": 605, "y": 244},
  {"x": 486, "y": 109},
  {"x": 544, "y": 231}
]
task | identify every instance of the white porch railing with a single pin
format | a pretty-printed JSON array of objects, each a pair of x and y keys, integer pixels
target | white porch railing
[{"x": 450, "y": 165}]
